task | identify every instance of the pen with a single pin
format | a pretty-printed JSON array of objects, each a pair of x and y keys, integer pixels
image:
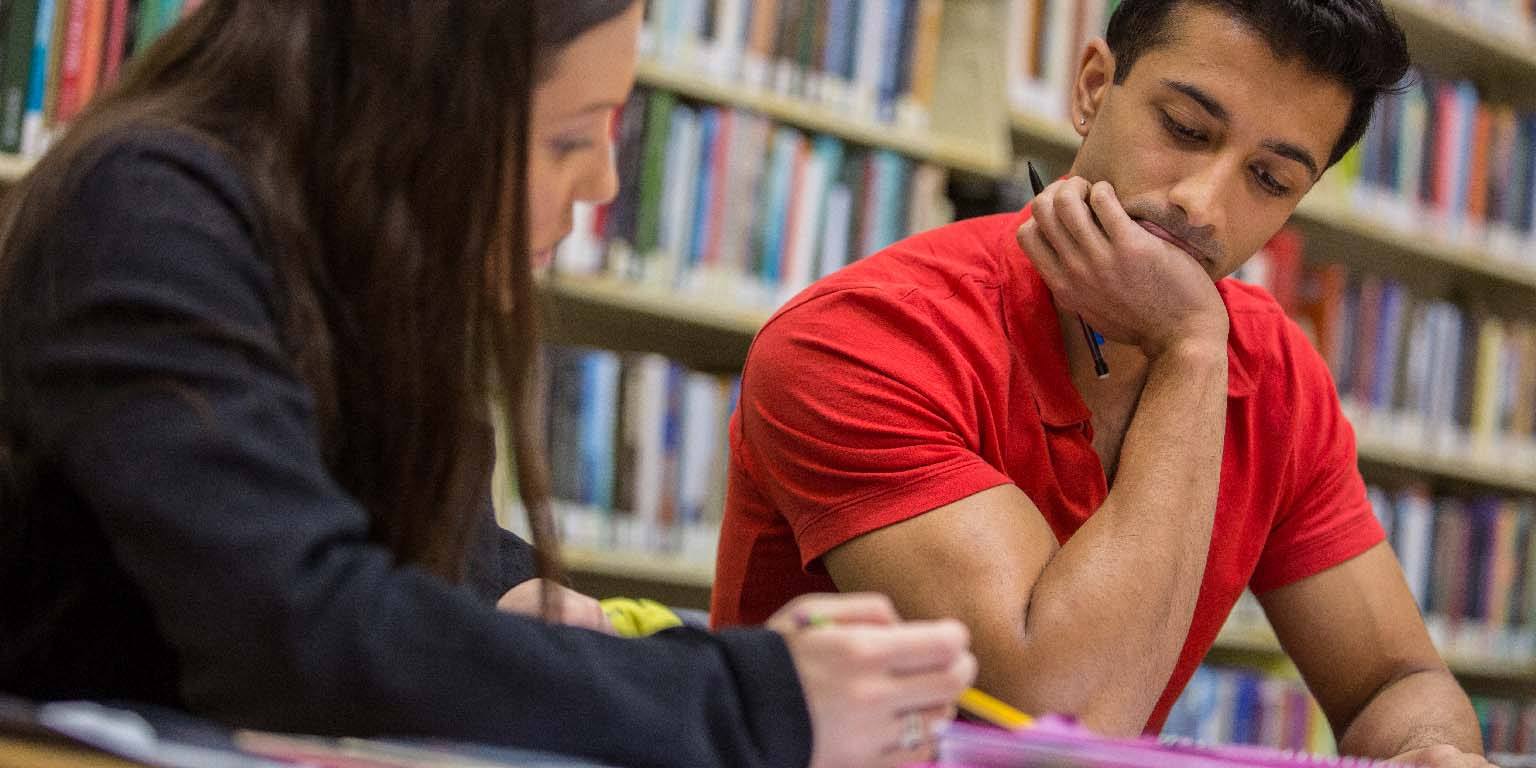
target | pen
[
  {"x": 973, "y": 701},
  {"x": 1095, "y": 341}
]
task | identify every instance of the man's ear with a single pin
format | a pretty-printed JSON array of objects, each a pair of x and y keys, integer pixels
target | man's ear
[{"x": 1095, "y": 74}]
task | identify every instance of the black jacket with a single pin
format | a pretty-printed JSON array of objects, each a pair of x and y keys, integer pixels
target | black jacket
[{"x": 183, "y": 543}]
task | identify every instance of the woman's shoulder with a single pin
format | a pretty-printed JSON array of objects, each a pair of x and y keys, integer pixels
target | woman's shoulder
[
  {"x": 151, "y": 169},
  {"x": 140, "y": 218}
]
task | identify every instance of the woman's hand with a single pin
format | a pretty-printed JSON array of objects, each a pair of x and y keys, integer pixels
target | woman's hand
[
  {"x": 576, "y": 609},
  {"x": 878, "y": 689}
]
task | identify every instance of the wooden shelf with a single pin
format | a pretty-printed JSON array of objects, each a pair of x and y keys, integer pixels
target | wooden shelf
[
  {"x": 1336, "y": 232},
  {"x": 1247, "y": 641},
  {"x": 1241, "y": 640},
  {"x": 710, "y": 336},
  {"x": 715, "y": 337},
  {"x": 810, "y": 116},
  {"x": 1444, "y": 40},
  {"x": 657, "y": 569},
  {"x": 1424, "y": 465},
  {"x": 13, "y": 167}
]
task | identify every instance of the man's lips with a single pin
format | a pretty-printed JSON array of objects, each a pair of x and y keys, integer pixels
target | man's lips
[{"x": 1169, "y": 237}]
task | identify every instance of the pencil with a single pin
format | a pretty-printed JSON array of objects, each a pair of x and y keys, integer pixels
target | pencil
[{"x": 1095, "y": 341}]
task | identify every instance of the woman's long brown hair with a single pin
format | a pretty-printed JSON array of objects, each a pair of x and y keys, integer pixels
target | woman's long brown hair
[{"x": 385, "y": 142}]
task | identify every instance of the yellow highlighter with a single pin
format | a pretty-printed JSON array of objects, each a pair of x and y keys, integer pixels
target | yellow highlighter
[{"x": 982, "y": 705}]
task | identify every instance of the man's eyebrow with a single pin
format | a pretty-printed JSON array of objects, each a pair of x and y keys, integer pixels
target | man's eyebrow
[
  {"x": 1207, "y": 102},
  {"x": 1291, "y": 151}
]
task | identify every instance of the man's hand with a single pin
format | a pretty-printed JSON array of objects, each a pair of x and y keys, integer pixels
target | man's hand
[
  {"x": 1442, "y": 756},
  {"x": 1129, "y": 284},
  {"x": 576, "y": 609}
]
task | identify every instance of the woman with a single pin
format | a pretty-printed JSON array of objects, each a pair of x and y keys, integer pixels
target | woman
[{"x": 252, "y": 309}]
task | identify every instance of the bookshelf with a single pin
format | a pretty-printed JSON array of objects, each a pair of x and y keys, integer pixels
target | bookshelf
[
  {"x": 1250, "y": 641},
  {"x": 13, "y": 167},
  {"x": 954, "y": 153},
  {"x": 1245, "y": 640},
  {"x": 707, "y": 335},
  {"x": 1443, "y": 39},
  {"x": 714, "y": 337},
  {"x": 1340, "y": 233}
]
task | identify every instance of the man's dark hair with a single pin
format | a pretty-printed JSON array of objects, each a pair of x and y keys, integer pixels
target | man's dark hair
[{"x": 1355, "y": 42}]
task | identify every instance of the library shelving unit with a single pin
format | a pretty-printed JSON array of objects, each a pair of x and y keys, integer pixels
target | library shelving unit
[
  {"x": 702, "y": 333},
  {"x": 12, "y": 168}
]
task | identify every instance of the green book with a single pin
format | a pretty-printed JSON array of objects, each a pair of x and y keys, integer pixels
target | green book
[
  {"x": 652, "y": 170},
  {"x": 148, "y": 25},
  {"x": 20, "y": 28}
]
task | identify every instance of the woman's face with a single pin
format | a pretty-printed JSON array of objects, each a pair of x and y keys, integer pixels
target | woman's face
[{"x": 570, "y": 153}]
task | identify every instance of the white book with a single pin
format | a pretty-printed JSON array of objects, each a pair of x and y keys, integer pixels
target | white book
[
  {"x": 1415, "y": 528},
  {"x": 1060, "y": 63},
  {"x": 834, "y": 235},
  {"x": 928, "y": 207},
  {"x": 807, "y": 225},
  {"x": 697, "y": 463},
  {"x": 1410, "y": 143},
  {"x": 678, "y": 190},
  {"x": 871, "y": 48},
  {"x": 742, "y": 203},
  {"x": 692, "y": 50},
  {"x": 730, "y": 38},
  {"x": 646, "y": 424},
  {"x": 1020, "y": 41}
]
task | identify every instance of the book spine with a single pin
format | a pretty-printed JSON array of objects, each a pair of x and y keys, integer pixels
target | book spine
[
  {"x": 21, "y": 22},
  {"x": 34, "y": 127}
]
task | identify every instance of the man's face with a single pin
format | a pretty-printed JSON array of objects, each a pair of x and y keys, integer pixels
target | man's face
[{"x": 1211, "y": 138}]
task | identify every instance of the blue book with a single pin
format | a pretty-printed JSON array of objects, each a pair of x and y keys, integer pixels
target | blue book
[
  {"x": 837, "y": 54},
  {"x": 775, "y": 221},
  {"x": 37, "y": 78},
  {"x": 888, "y": 90},
  {"x": 1370, "y": 150},
  {"x": 1482, "y": 515},
  {"x": 892, "y": 172},
  {"x": 709, "y": 132},
  {"x": 598, "y": 423},
  {"x": 1466, "y": 113},
  {"x": 1430, "y": 87},
  {"x": 1526, "y": 212},
  {"x": 1247, "y": 710},
  {"x": 1390, "y": 118},
  {"x": 1388, "y": 338}
]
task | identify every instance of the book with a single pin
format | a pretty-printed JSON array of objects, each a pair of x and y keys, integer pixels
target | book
[{"x": 21, "y": 22}]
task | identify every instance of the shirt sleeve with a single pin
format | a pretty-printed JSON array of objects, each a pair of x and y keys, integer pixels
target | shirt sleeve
[
  {"x": 857, "y": 412},
  {"x": 1325, "y": 518},
  {"x": 162, "y": 396},
  {"x": 501, "y": 559}
]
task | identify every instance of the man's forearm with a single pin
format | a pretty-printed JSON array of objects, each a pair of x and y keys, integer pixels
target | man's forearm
[
  {"x": 1421, "y": 709},
  {"x": 1110, "y": 613}
]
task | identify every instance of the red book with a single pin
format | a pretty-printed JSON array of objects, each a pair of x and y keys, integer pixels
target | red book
[
  {"x": 720, "y": 167},
  {"x": 1367, "y": 317},
  {"x": 72, "y": 61},
  {"x": 1446, "y": 111},
  {"x": 95, "y": 45},
  {"x": 1477, "y": 182},
  {"x": 792, "y": 222},
  {"x": 1284, "y": 251},
  {"x": 117, "y": 41}
]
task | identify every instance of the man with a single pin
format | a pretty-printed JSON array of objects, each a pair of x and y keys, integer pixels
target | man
[{"x": 927, "y": 423}]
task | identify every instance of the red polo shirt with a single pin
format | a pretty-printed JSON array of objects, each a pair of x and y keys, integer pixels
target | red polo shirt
[{"x": 935, "y": 369}]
